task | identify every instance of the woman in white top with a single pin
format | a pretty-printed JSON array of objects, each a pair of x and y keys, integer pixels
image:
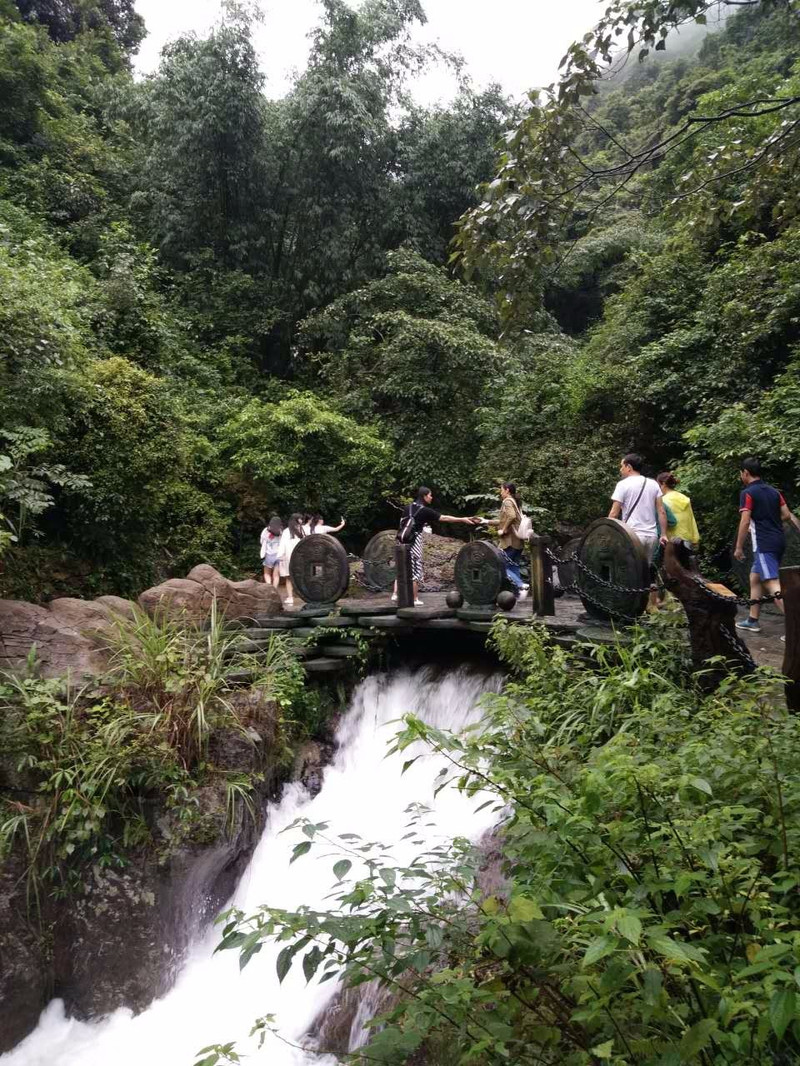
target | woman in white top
[
  {"x": 270, "y": 543},
  {"x": 317, "y": 525},
  {"x": 290, "y": 538}
]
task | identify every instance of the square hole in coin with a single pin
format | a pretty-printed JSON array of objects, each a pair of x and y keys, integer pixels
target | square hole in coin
[
  {"x": 316, "y": 570},
  {"x": 476, "y": 574}
]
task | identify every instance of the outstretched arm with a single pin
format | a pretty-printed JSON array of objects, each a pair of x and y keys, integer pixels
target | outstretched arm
[{"x": 466, "y": 521}]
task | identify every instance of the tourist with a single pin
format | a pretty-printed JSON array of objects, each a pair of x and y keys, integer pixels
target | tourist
[
  {"x": 508, "y": 522},
  {"x": 290, "y": 538},
  {"x": 637, "y": 501},
  {"x": 421, "y": 514},
  {"x": 317, "y": 525},
  {"x": 270, "y": 543},
  {"x": 763, "y": 511},
  {"x": 678, "y": 508}
]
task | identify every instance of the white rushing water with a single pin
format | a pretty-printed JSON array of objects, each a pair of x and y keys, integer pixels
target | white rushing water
[{"x": 362, "y": 792}]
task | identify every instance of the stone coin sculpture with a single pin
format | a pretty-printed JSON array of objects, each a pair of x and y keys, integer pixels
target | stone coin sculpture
[
  {"x": 610, "y": 554},
  {"x": 480, "y": 573},
  {"x": 319, "y": 569},
  {"x": 378, "y": 557}
]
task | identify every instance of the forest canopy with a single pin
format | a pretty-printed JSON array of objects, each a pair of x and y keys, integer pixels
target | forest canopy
[{"x": 217, "y": 304}]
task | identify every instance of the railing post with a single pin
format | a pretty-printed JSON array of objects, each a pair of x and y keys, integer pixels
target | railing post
[
  {"x": 543, "y": 601},
  {"x": 790, "y": 594},
  {"x": 404, "y": 575}
]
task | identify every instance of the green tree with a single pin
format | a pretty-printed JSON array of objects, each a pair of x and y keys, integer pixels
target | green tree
[
  {"x": 416, "y": 350},
  {"x": 65, "y": 20},
  {"x": 543, "y": 185},
  {"x": 299, "y": 454},
  {"x": 201, "y": 121}
]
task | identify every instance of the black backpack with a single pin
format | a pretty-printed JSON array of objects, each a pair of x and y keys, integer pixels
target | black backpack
[{"x": 408, "y": 529}]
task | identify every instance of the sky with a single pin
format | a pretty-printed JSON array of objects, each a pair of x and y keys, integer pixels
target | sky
[{"x": 517, "y": 43}]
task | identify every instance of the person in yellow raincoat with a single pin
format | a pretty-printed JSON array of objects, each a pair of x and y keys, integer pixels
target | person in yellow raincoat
[{"x": 680, "y": 505}]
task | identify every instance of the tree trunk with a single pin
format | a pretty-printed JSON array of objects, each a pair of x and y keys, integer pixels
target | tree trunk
[{"x": 712, "y": 621}]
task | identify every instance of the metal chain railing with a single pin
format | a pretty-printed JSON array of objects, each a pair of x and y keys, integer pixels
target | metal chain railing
[{"x": 741, "y": 601}]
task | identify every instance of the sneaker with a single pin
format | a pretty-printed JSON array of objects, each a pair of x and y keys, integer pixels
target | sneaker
[
  {"x": 418, "y": 603},
  {"x": 288, "y": 602},
  {"x": 524, "y": 588},
  {"x": 750, "y": 624},
  {"x": 783, "y": 639},
  {"x": 394, "y": 597},
  {"x": 522, "y": 594}
]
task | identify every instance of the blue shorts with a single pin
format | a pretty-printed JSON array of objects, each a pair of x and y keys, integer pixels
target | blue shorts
[{"x": 766, "y": 565}]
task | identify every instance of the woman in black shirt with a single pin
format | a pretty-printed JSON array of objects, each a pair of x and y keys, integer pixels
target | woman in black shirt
[{"x": 423, "y": 514}]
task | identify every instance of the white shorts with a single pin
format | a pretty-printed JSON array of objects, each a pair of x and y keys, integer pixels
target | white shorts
[{"x": 650, "y": 544}]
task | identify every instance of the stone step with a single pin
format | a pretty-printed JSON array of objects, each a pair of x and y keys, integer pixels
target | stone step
[
  {"x": 340, "y": 651},
  {"x": 477, "y": 614},
  {"x": 309, "y": 610},
  {"x": 386, "y": 621},
  {"x": 324, "y": 665},
  {"x": 334, "y": 621},
  {"x": 280, "y": 621},
  {"x": 368, "y": 607},
  {"x": 425, "y": 614}
]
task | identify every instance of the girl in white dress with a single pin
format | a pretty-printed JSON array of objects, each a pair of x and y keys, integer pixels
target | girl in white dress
[
  {"x": 290, "y": 538},
  {"x": 270, "y": 542}
]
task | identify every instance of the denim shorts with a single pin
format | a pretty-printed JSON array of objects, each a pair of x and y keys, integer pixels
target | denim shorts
[{"x": 270, "y": 560}]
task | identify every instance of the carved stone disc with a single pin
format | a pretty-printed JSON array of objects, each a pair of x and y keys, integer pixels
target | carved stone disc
[
  {"x": 319, "y": 569},
  {"x": 613, "y": 553},
  {"x": 480, "y": 573},
  {"x": 379, "y": 559}
]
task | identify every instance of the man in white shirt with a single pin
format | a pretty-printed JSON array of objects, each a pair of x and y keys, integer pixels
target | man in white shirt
[{"x": 636, "y": 499}]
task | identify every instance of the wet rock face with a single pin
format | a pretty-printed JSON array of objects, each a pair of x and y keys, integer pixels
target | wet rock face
[
  {"x": 119, "y": 938},
  {"x": 24, "y": 972}
]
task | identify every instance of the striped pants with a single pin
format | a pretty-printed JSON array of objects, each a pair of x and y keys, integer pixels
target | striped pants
[{"x": 416, "y": 557}]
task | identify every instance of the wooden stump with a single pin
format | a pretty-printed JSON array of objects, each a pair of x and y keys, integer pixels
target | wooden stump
[
  {"x": 712, "y": 620},
  {"x": 790, "y": 589}
]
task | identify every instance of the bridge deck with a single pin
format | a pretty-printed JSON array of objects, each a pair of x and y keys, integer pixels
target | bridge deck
[{"x": 569, "y": 620}]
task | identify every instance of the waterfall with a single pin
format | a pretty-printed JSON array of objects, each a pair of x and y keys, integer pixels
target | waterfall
[{"x": 362, "y": 792}]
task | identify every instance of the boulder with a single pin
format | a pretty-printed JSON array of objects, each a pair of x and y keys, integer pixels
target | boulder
[
  {"x": 124, "y": 608},
  {"x": 61, "y": 648},
  {"x": 90, "y": 616},
  {"x": 193, "y": 595}
]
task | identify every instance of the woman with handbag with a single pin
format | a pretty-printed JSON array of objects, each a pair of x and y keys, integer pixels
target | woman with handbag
[{"x": 513, "y": 529}]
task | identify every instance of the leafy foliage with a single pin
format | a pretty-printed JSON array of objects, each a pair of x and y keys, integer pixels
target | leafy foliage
[
  {"x": 299, "y": 449},
  {"x": 97, "y": 757}
]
